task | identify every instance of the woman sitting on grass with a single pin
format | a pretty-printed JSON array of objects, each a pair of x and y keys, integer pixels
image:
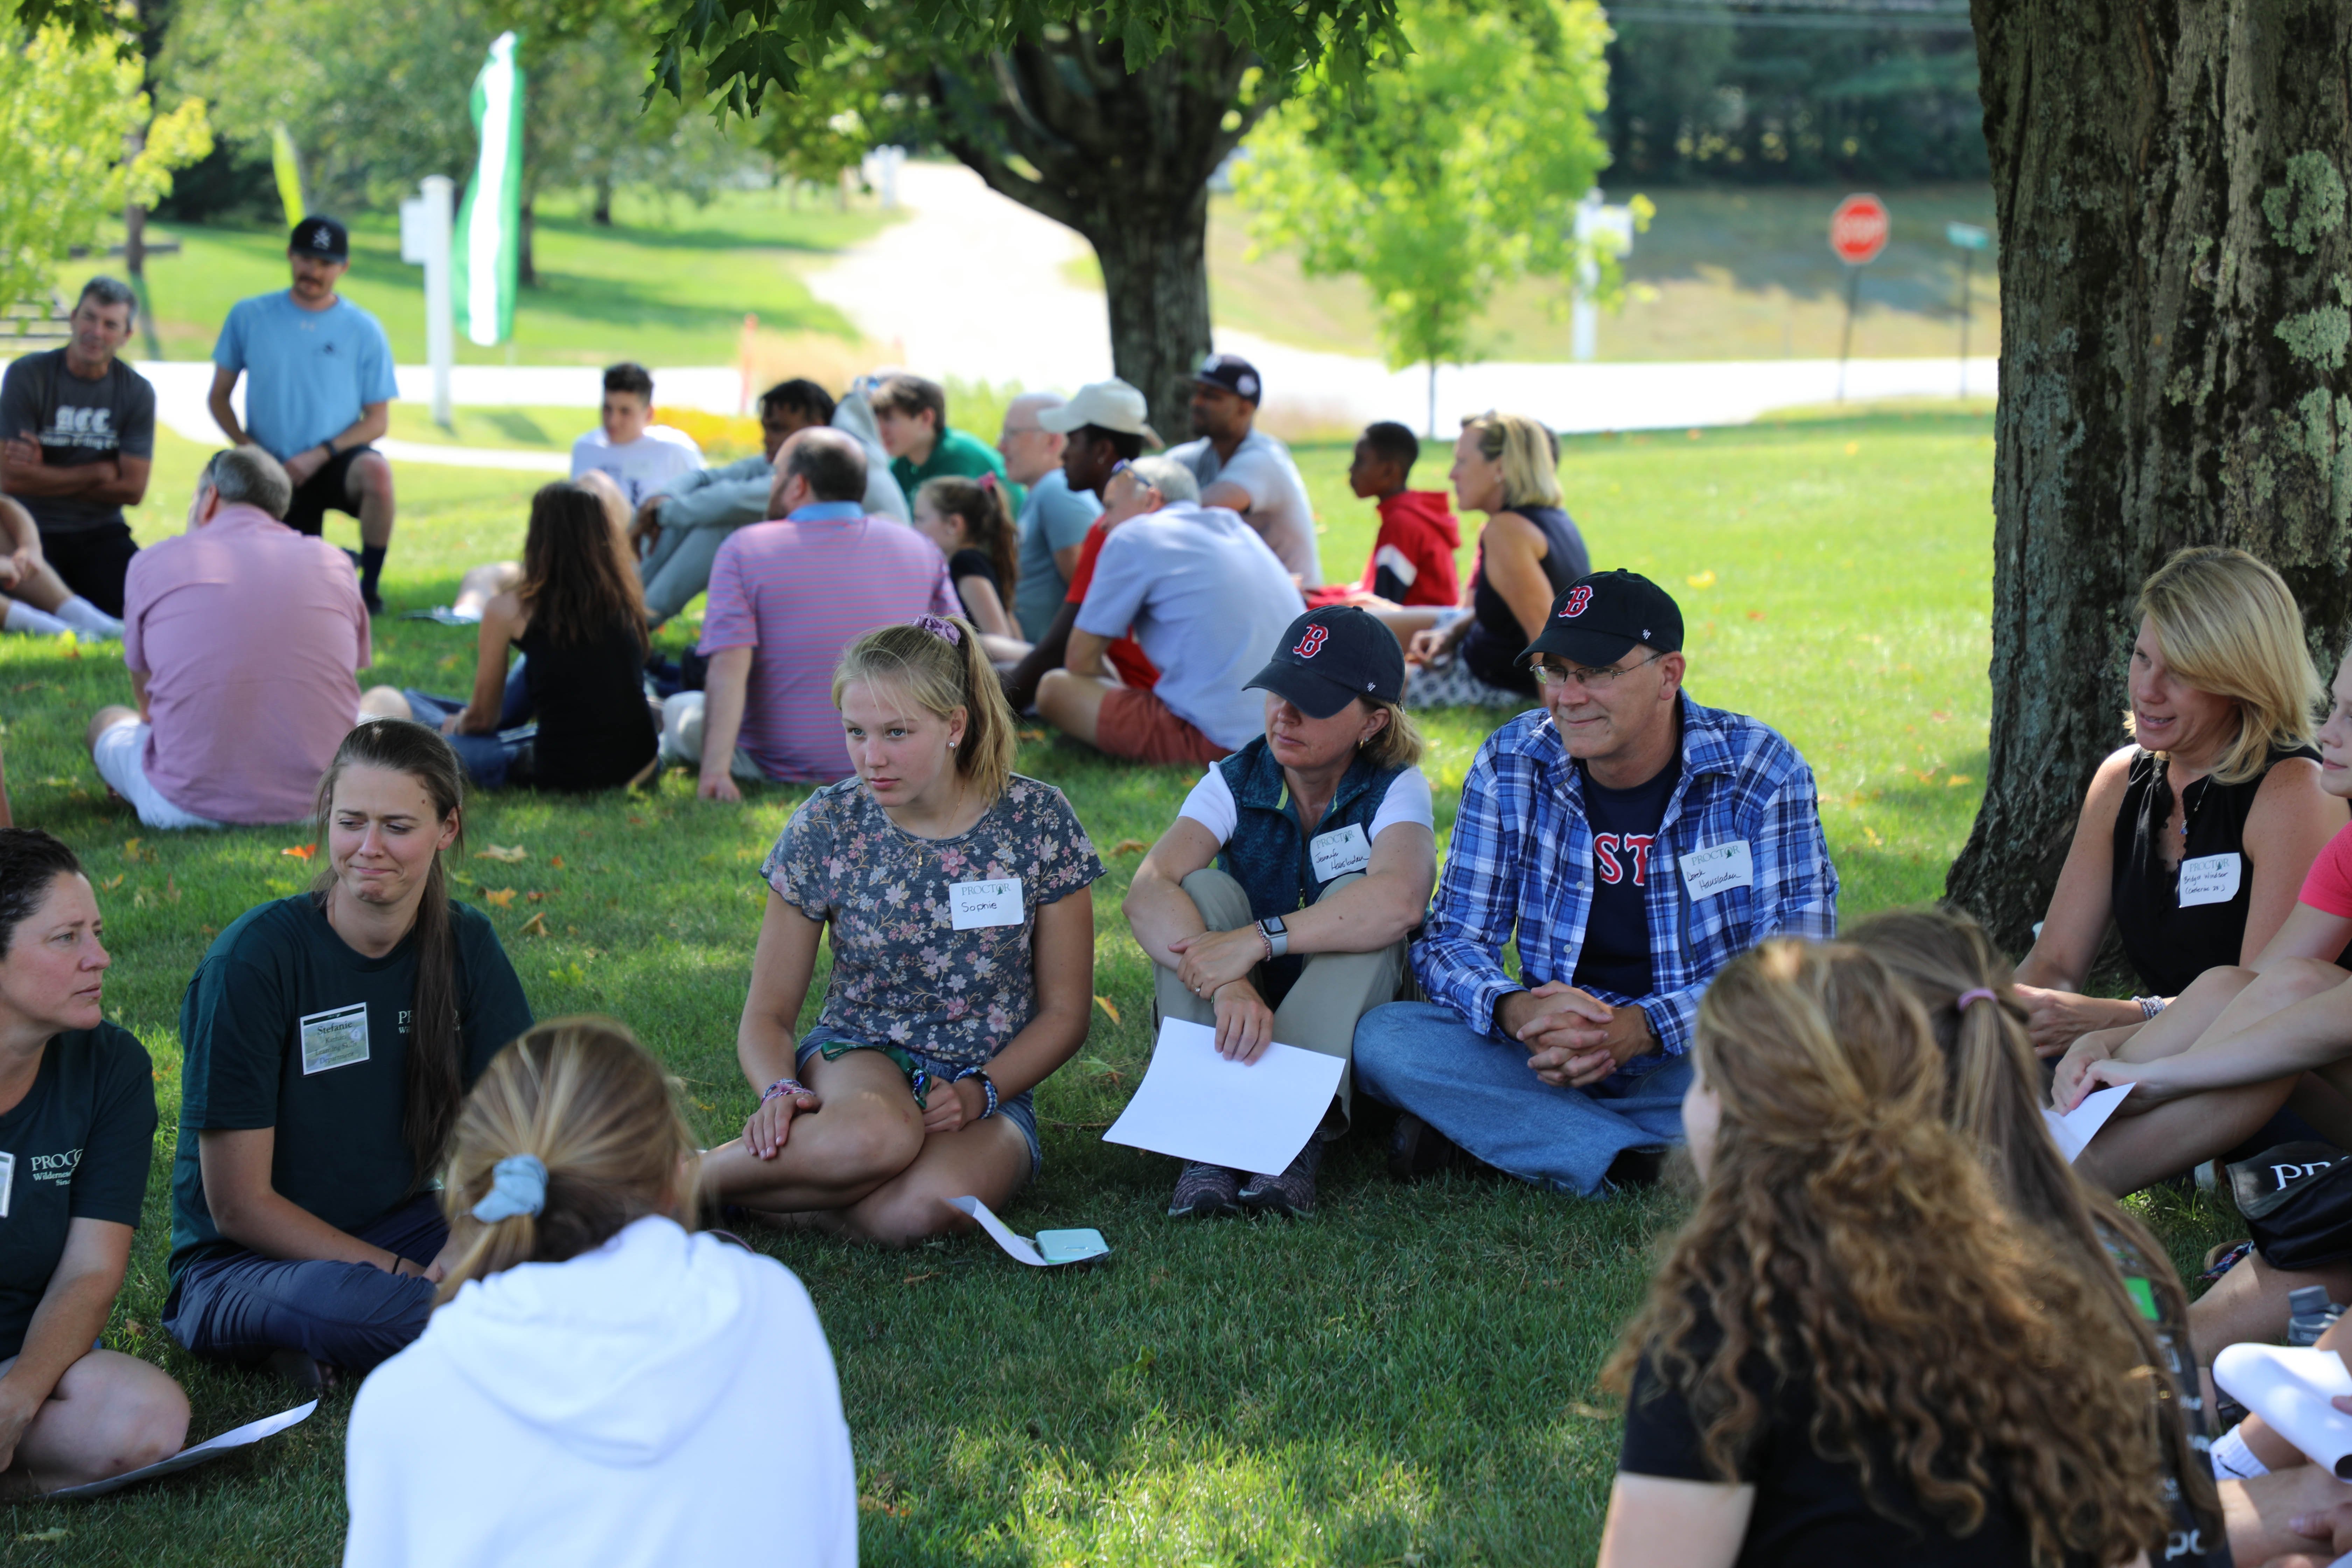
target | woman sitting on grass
[
  {"x": 1278, "y": 905},
  {"x": 971, "y": 522},
  {"x": 632, "y": 1371},
  {"x": 1850, "y": 1354},
  {"x": 77, "y": 1134},
  {"x": 957, "y": 893},
  {"x": 1992, "y": 1099},
  {"x": 577, "y": 615},
  {"x": 327, "y": 1040}
]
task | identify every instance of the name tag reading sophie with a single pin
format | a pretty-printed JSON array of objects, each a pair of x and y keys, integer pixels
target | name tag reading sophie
[
  {"x": 2209, "y": 880},
  {"x": 972, "y": 905}
]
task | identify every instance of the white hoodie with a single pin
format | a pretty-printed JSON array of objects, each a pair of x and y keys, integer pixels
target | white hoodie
[{"x": 664, "y": 1399}]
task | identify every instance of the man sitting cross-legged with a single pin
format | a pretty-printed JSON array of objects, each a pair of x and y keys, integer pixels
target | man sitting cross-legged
[
  {"x": 785, "y": 598},
  {"x": 1205, "y": 598},
  {"x": 241, "y": 637},
  {"x": 1632, "y": 842}
]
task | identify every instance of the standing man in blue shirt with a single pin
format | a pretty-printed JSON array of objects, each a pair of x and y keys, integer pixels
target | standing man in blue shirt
[
  {"x": 1632, "y": 843},
  {"x": 319, "y": 388}
]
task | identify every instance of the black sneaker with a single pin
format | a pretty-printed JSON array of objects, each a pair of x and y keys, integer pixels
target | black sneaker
[
  {"x": 1205, "y": 1192},
  {"x": 1293, "y": 1191},
  {"x": 1417, "y": 1150}
]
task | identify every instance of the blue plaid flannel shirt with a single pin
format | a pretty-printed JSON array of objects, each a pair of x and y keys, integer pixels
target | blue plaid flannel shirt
[{"x": 1521, "y": 861}]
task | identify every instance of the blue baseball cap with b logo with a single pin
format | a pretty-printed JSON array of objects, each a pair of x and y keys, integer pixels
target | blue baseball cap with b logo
[
  {"x": 1328, "y": 657},
  {"x": 1603, "y": 616}
]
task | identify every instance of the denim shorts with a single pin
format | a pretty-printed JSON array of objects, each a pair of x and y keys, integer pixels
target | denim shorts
[{"x": 1021, "y": 1110}]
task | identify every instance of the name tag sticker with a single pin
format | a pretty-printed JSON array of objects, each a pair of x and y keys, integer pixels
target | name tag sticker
[
  {"x": 1340, "y": 852},
  {"x": 972, "y": 905},
  {"x": 334, "y": 1039},
  {"x": 1718, "y": 869},
  {"x": 7, "y": 1182},
  {"x": 2211, "y": 879}
]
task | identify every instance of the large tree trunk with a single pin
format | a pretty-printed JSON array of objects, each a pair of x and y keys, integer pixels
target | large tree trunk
[
  {"x": 2175, "y": 273},
  {"x": 1062, "y": 126}
]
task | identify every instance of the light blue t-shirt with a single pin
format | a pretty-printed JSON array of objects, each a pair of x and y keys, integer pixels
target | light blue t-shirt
[
  {"x": 1054, "y": 516},
  {"x": 308, "y": 374}
]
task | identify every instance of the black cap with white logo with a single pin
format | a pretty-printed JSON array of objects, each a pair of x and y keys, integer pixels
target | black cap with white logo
[
  {"x": 1328, "y": 656},
  {"x": 321, "y": 236},
  {"x": 1603, "y": 616},
  {"x": 1231, "y": 372}
]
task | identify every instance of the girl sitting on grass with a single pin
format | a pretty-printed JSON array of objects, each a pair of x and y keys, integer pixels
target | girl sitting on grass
[
  {"x": 956, "y": 894},
  {"x": 77, "y": 1133},
  {"x": 575, "y": 611},
  {"x": 971, "y": 522},
  {"x": 328, "y": 1039},
  {"x": 583, "y": 1339},
  {"x": 1851, "y": 1355}
]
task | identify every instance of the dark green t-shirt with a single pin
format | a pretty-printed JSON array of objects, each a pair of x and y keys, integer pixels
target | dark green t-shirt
[
  {"x": 286, "y": 1027},
  {"x": 76, "y": 1147}
]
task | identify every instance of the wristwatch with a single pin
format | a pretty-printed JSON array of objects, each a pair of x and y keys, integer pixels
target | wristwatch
[{"x": 1277, "y": 937}]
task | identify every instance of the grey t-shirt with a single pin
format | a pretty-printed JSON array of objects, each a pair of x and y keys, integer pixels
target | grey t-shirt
[
  {"x": 1054, "y": 516},
  {"x": 77, "y": 421},
  {"x": 1278, "y": 508},
  {"x": 1208, "y": 602}
]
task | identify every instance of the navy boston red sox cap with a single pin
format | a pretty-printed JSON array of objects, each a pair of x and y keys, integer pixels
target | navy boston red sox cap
[
  {"x": 1327, "y": 658},
  {"x": 321, "y": 236},
  {"x": 1603, "y": 616}
]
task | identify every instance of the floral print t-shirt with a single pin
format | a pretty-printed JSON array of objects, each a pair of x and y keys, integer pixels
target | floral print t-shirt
[{"x": 902, "y": 973}]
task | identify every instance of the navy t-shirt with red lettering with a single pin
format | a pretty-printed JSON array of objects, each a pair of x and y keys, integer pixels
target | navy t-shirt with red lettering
[{"x": 1615, "y": 956}]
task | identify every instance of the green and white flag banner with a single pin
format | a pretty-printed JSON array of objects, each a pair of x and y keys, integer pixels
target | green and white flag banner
[{"x": 489, "y": 223}]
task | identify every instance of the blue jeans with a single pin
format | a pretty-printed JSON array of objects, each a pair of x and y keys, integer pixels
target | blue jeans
[
  {"x": 488, "y": 758},
  {"x": 1420, "y": 1056},
  {"x": 352, "y": 1315}
]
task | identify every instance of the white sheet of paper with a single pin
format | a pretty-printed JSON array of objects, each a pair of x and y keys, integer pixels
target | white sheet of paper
[
  {"x": 1020, "y": 1248},
  {"x": 187, "y": 1458},
  {"x": 2075, "y": 1130},
  {"x": 1196, "y": 1105},
  {"x": 2289, "y": 1386}
]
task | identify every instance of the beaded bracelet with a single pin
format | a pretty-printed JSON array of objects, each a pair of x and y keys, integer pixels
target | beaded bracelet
[
  {"x": 784, "y": 1086},
  {"x": 987, "y": 1086}
]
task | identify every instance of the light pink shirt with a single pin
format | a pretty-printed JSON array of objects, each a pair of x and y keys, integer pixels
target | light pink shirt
[
  {"x": 796, "y": 593},
  {"x": 248, "y": 633}
]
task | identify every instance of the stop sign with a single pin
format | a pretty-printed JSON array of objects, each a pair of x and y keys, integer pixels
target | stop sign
[{"x": 1858, "y": 229}]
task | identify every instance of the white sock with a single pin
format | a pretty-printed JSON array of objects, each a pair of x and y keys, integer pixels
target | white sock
[
  {"x": 2233, "y": 1461},
  {"x": 82, "y": 615},
  {"x": 23, "y": 617}
]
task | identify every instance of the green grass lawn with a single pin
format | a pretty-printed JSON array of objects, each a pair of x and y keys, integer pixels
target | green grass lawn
[{"x": 1406, "y": 1377}]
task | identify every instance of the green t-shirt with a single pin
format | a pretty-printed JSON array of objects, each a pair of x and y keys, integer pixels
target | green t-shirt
[
  {"x": 76, "y": 1147},
  {"x": 966, "y": 457},
  {"x": 286, "y": 1027}
]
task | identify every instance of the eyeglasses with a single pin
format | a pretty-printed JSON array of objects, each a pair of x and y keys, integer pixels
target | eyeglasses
[{"x": 1600, "y": 680}]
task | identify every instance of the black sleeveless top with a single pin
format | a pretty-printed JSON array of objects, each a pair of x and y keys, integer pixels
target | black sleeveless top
[
  {"x": 2168, "y": 945},
  {"x": 594, "y": 729},
  {"x": 1493, "y": 648}
]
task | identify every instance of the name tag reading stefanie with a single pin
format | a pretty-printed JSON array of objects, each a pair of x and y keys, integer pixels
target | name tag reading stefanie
[
  {"x": 2209, "y": 880},
  {"x": 1339, "y": 851},
  {"x": 334, "y": 1039},
  {"x": 1718, "y": 869},
  {"x": 972, "y": 905}
]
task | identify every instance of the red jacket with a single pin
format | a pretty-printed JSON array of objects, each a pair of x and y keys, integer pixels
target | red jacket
[{"x": 1413, "y": 559}]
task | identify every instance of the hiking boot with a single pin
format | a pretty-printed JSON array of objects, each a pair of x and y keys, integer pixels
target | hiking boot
[
  {"x": 1205, "y": 1192},
  {"x": 1638, "y": 1167},
  {"x": 1293, "y": 1191},
  {"x": 1417, "y": 1150}
]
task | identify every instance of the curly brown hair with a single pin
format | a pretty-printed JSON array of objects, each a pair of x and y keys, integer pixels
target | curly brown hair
[
  {"x": 1992, "y": 1099},
  {"x": 1848, "y": 1238}
]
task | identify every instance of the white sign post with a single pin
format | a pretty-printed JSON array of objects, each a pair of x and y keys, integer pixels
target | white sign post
[
  {"x": 424, "y": 235},
  {"x": 1597, "y": 227}
]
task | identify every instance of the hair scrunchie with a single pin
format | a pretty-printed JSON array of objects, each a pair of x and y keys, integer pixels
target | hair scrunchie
[
  {"x": 518, "y": 1186},
  {"x": 940, "y": 628},
  {"x": 988, "y": 482},
  {"x": 1979, "y": 995}
]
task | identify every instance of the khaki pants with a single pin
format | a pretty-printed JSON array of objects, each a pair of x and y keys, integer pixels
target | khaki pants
[{"x": 1334, "y": 989}]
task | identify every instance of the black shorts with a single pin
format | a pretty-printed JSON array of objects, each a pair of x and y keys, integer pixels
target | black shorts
[
  {"x": 329, "y": 489},
  {"x": 92, "y": 561}
]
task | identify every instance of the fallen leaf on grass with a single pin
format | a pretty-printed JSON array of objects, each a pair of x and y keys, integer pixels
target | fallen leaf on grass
[
  {"x": 636, "y": 821},
  {"x": 1032, "y": 735},
  {"x": 116, "y": 882},
  {"x": 171, "y": 887},
  {"x": 1957, "y": 780},
  {"x": 534, "y": 896},
  {"x": 866, "y": 1504},
  {"x": 301, "y": 851},
  {"x": 577, "y": 976},
  {"x": 1129, "y": 846},
  {"x": 59, "y": 1533},
  {"x": 1853, "y": 448},
  {"x": 1701, "y": 579},
  {"x": 209, "y": 930},
  {"x": 535, "y": 926},
  {"x": 1590, "y": 1412},
  {"x": 1755, "y": 614},
  {"x": 1104, "y": 1004},
  {"x": 133, "y": 851},
  {"x": 502, "y": 852},
  {"x": 919, "y": 1279},
  {"x": 498, "y": 898},
  {"x": 555, "y": 862}
]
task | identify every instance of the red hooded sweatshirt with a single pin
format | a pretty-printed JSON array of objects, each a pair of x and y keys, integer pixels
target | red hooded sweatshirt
[{"x": 1413, "y": 559}]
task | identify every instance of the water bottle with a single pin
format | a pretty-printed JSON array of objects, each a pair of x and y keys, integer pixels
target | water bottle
[{"x": 2311, "y": 1314}]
